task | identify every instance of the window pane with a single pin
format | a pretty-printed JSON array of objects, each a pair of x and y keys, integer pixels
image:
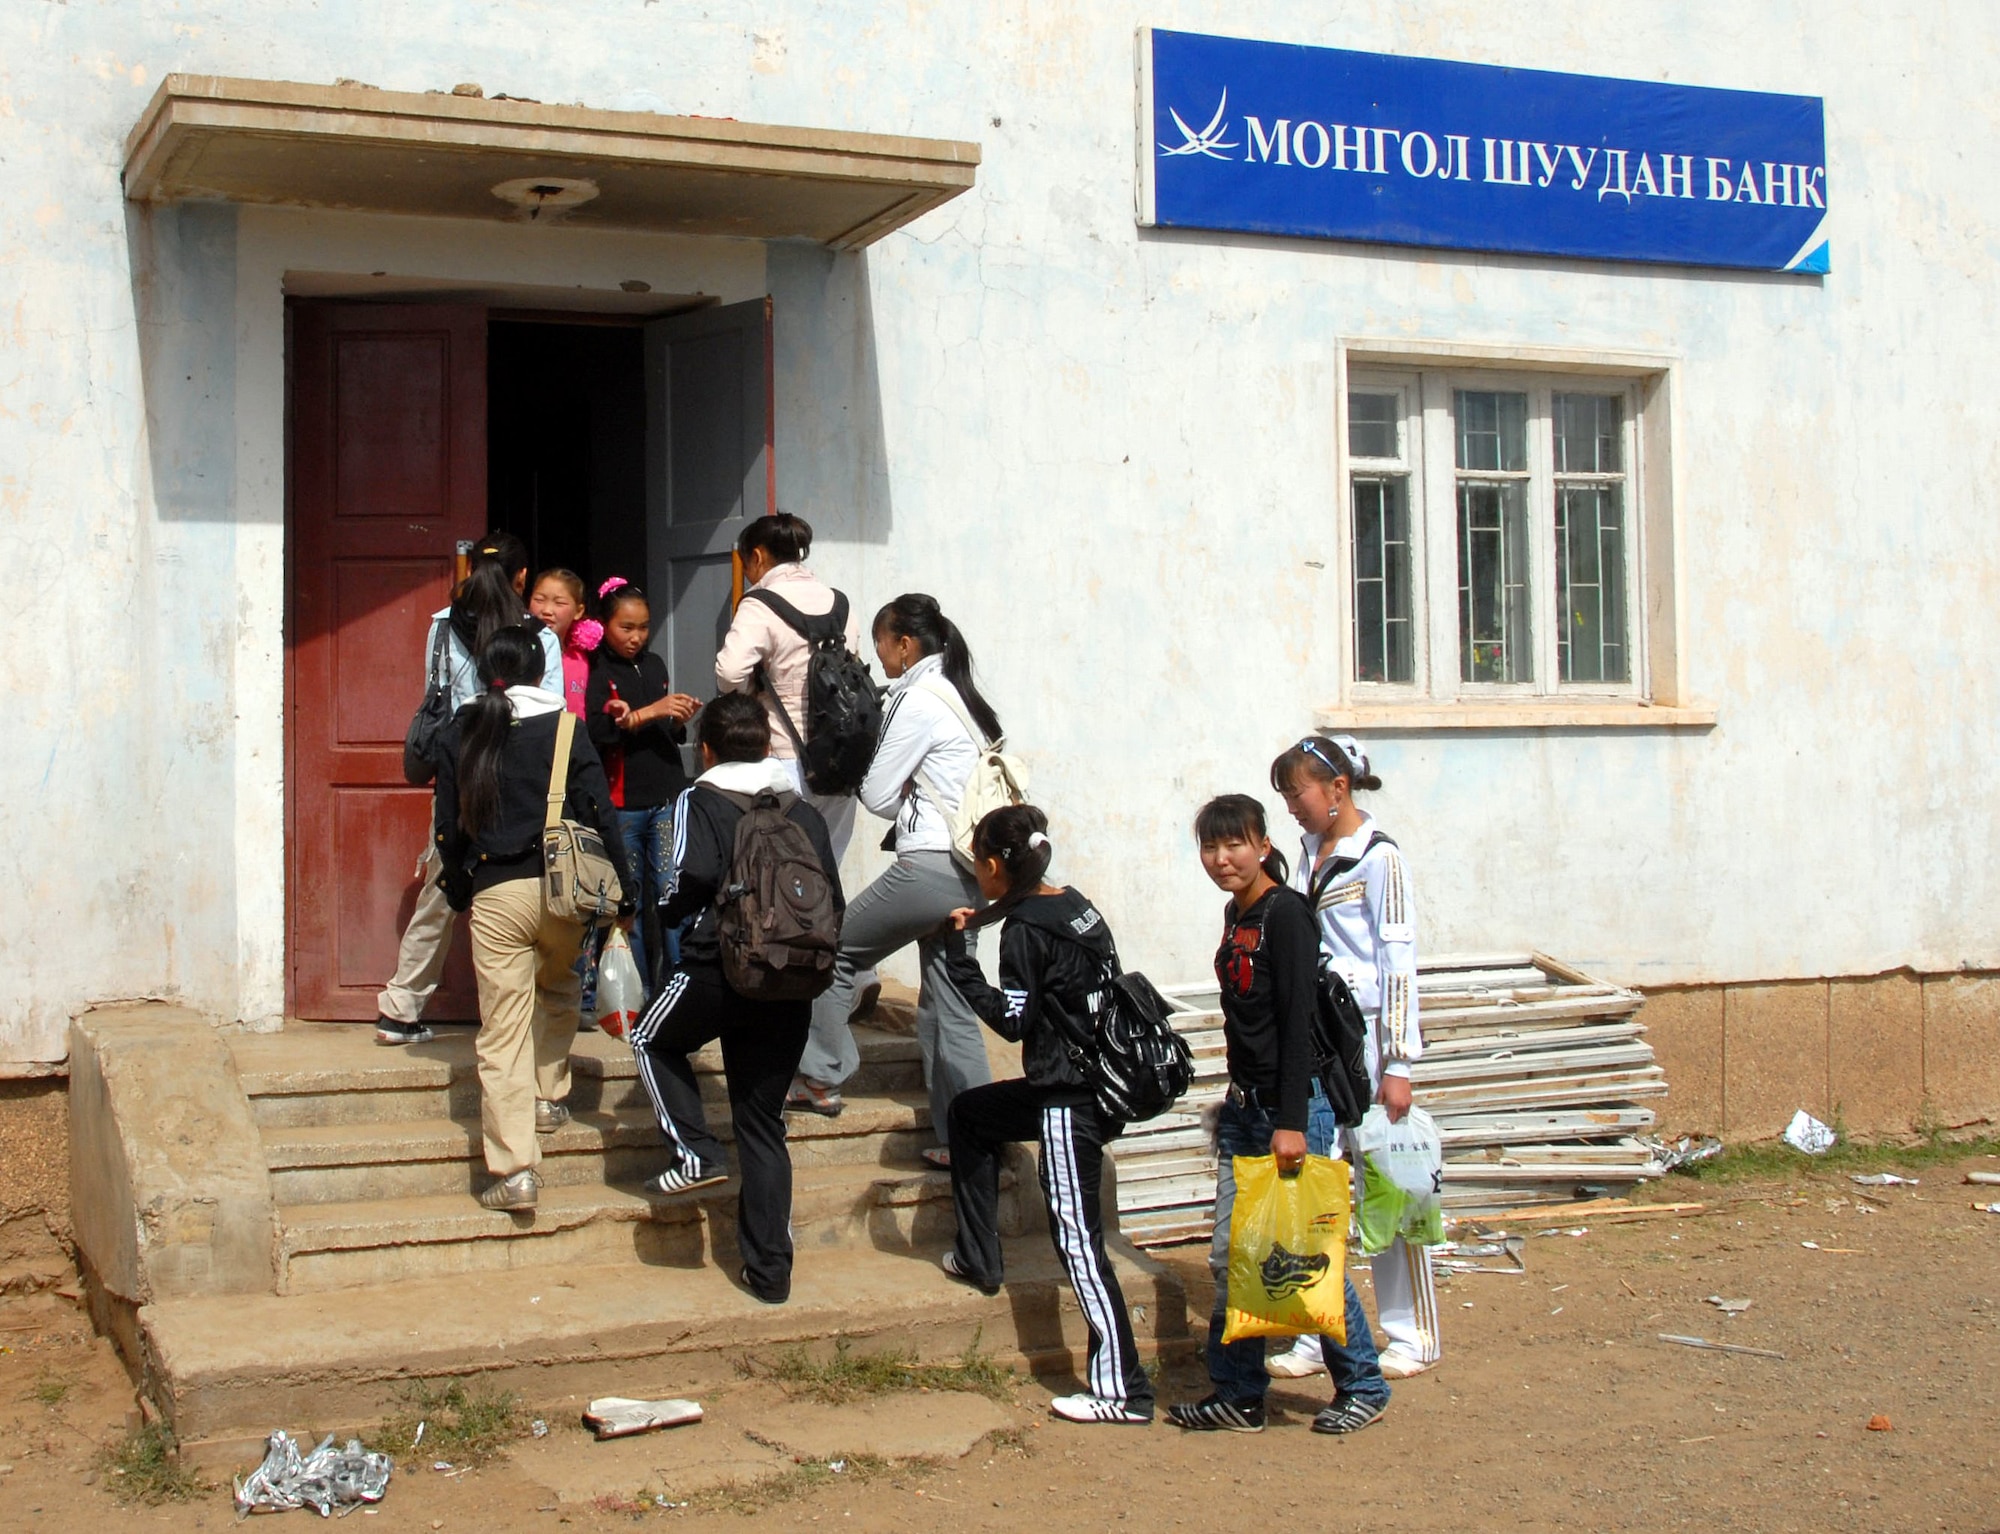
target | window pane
[
  {"x": 1494, "y": 643},
  {"x": 1492, "y": 430},
  {"x": 1383, "y": 639},
  {"x": 1590, "y": 584},
  {"x": 1587, "y": 437},
  {"x": 1374, "y": 425}
]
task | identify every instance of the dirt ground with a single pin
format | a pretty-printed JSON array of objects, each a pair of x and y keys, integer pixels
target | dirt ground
[{"x": 1556, "y": 1406}]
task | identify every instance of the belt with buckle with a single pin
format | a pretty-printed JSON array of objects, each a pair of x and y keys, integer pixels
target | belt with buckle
[{"x": 1243, "y": 1097}]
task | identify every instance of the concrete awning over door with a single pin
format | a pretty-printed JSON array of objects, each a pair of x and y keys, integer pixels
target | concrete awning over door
[{"x": 211, "y": 138}]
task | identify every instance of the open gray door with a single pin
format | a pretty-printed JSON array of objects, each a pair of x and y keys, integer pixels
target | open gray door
[{"x": 708, "y": 466}]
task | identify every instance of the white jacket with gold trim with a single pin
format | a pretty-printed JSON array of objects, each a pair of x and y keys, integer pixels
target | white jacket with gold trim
[{"x": 1368, "y": 934}]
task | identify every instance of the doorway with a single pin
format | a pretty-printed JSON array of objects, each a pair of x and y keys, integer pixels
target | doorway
[{"x": 609, "y": 447}]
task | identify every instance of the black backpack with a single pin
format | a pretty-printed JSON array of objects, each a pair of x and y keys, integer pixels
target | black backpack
[
  {"x": 1137, "y": 1066},
  {"x": 775, "y": 918},
  {"x": 1340, "y": 1032},
  {"x": 843, "y": 706}
]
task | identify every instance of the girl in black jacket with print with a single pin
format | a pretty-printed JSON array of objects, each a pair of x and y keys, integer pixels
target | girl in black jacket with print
[
  {"x": 1056, "y": 965},
  {"x": 1268, "y": 970}
]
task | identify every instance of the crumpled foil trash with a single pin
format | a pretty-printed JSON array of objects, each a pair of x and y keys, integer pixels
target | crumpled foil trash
[
  {"x": 323, "y": 1480},
  {"x": 1686, "y": 1151}
]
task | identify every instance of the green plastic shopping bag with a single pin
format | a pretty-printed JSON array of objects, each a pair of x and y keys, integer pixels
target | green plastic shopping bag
[
  {"x": 1402, "y": 1180},
  {"x": 1288, "y": 1250}
]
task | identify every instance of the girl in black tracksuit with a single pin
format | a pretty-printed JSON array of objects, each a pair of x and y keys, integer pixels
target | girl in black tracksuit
[
  {"x": 761, "y": 1039},
  {"x": 1056, "y": 965}
]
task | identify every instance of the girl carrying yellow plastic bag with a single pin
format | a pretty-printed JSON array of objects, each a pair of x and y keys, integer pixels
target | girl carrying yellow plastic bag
[{"x": 1288, "y": 1250}]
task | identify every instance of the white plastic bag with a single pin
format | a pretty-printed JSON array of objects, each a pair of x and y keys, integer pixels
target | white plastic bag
[
  {"x": 621, "y": 996},
  {"x": 1402, "y": 1180}
]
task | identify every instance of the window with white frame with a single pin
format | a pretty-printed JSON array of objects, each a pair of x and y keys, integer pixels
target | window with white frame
[{"x": 1493, "y": 526}]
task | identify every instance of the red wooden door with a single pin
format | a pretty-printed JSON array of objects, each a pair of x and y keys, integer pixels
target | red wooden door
[{"x": 388, "y": 472}]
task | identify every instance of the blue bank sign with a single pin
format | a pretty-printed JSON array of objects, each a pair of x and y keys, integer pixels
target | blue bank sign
[{"x": 1271, "y": 138}]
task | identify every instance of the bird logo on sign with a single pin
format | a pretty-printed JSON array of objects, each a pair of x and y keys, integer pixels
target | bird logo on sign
[{"x": 1208, "y": 142}]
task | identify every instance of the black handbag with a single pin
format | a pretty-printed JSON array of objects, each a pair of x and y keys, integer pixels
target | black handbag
[{"x": 432, "y": 715}]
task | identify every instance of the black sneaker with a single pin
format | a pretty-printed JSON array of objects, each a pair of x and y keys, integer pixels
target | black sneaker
[
  {"x": 680, "y": 1178},
  {"x": 949, "y": 1262},
  {"x": 1212, "y": 1414},
  {"x": 389, "y": 1031},
  {"x": 767, "y": 1296},
  {"x": 1348, "y": 1414}
]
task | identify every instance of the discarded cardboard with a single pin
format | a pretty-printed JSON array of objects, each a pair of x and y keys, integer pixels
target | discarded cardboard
[{"x": 622, "y": 1416}]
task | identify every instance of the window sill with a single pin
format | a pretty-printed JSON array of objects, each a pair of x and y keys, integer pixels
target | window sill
[{"x": 1541, "y": 714}]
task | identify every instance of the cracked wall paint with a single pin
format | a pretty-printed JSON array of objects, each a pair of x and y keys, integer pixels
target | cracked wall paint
[{"x": 1106, "y": 452}]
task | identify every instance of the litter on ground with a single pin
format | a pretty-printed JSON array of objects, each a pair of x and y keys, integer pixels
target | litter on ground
[
  {"x": 1884, "y": 1180},
  {"x": 1729, "y": 1307},
  {"x": 1808, "y": 1134},
  {"x": 323, "y": 1480},
  {"x": 622, "y": 1416},
  {"x": 1719, "y": 1347}
]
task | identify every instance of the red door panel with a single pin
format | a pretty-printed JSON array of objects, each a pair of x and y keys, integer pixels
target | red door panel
[{"x": 388, "y": 473}]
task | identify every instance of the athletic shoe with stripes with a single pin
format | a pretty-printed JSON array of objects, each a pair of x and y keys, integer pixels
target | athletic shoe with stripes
[
  {"x": 1348, "y": 1414},
  {"x": 1089, "y": 1408},
  {"x": 949, "y": 1262},
  {"x": 1212, "y": 1414},
  {"x": 1398, "y": 1365},
  {"x": 680, "y": 1177}
]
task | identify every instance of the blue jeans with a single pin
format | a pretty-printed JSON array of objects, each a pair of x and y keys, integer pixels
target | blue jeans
[
  {"x": 649, "y": 840},
  {"x": 1356, "y": 1368},
  {"x": 1237, "y": 1368}
]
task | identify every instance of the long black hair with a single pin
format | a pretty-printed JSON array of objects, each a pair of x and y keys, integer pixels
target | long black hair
[
  {"x": 1016, "y": 836},
  {"x": 1239, "y": 818},
  {"x": 916, "y": 616},
  {"x": 487, "y": 601},
  {"x": 512, "y": 658}
]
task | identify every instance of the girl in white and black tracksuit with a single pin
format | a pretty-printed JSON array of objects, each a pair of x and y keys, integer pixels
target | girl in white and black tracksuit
[
  {"x": 1358, "y": 882},
  {"x": 761, "y": 1040},
  {"x": 1056, "y": 965}
]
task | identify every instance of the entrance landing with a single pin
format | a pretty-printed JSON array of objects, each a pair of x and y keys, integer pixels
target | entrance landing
[{"x": 297, "y": 1236}]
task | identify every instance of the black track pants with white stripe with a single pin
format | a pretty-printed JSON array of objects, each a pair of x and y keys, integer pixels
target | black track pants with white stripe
[
  {"x": 761, "y": 1045},
  {"x": 985, "y": 1118}
]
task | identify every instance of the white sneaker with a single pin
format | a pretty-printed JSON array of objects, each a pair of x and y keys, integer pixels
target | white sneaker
[
  {"x": 1297, "y": 1362},
  {"x": 1089, "y": 1408},
  {"x": 1398, "y": 1365}
]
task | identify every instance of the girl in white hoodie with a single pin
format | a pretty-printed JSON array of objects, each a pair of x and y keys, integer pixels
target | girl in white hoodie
[{"x": 933, "y": 731}]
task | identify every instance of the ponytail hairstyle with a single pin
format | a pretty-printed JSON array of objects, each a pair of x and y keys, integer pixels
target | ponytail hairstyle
[
  {"x": 487, "y": 601},
  {"x": 1015, "y": 836},
  {"x": 786, "y": 538},
  {"x": 1324, "y": 758},
  {"x": 512, "y": 658},
  {"x": 916, "y": 616},
  {"x": 1239, "y": 818}
]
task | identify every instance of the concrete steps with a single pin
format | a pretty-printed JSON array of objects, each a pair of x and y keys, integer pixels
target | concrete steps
[
  {"x": 382, "y": 1268},
  {"x": 229, "y": 1368}
]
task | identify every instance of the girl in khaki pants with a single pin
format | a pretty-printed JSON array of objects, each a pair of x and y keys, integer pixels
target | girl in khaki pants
[{"x": 493, "y": 779}]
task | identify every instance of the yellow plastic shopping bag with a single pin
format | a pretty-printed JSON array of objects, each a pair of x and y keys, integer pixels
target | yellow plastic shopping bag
[{"x": 1288, "y": 1250}]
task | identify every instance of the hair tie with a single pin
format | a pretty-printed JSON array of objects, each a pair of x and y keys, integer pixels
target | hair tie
[
  {"x": 1351, "y": 748},
  {"x": 1037, "y": 840},
  {"x": 611, "y": 585},
  {"x": 496, "y": 685}
]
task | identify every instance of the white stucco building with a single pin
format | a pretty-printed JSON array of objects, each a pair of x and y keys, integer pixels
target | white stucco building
[{"x": 1126, "y": 459}]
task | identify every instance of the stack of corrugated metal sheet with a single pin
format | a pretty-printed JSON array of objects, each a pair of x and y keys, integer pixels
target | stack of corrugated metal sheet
[{"x": 1538, "y": 1077}]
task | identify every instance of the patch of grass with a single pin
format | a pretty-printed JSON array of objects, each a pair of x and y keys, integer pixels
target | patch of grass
[
  {"x": 466, "y": 1427},
  {"x": 1773, "y": 1160},
  {"x": 801, "y": 1480},
  {"x": 51, "y": 1390},
  {"x": 851, "y": 1376},
  {"x": 146, "y": 1468}
]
